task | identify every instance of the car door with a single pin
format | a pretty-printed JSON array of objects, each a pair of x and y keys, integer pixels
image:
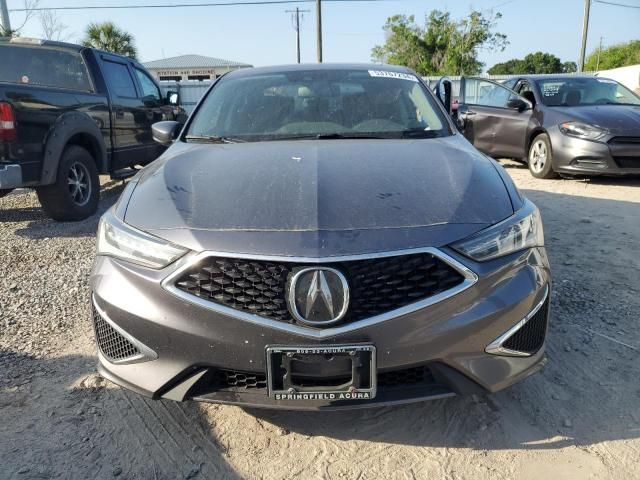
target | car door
[
  {"x": 155, "y": 111},
  {"x": 129, "y": 120},
  {"x": 493, "y": 117}
]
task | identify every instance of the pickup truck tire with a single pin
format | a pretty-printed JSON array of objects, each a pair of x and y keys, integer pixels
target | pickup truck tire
[{"x": 75, "y": 194}]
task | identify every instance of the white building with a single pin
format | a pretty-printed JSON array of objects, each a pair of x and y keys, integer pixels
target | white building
[
  {"x": 628, "y": 76},
  {"x": 191, "y": 67}
]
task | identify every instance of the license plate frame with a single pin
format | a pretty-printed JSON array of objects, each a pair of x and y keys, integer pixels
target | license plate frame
[{"x": 362, "y": 385}]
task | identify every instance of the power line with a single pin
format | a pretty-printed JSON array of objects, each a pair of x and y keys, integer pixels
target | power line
[
  {"x": 185, "y": 5},
  {"x": 502, "y": 4},
  {"x": 617, "y": 4}
]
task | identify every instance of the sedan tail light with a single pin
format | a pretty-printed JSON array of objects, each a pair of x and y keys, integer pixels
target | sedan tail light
[{"x": 7, "y": 123}]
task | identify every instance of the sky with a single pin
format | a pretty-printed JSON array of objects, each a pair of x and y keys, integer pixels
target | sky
[{"x": 264, "y": 35}]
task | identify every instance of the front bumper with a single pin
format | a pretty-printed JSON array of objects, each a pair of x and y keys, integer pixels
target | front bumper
[
  {"x": 191, "y": 342},
  {"x": 613, "y": 156}
]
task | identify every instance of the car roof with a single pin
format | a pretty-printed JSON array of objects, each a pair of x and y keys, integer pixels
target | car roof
[
  {"x": 246, "y": 72},
  {"x": 555, "y": 77},
  {"x": 37, "y": 42}
]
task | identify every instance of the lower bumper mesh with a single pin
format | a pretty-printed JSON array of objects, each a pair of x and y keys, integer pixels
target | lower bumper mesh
[
  {"x": 111, "y": 343},
  {"x": 530, "y": 338},
  {"x": 232, "y": 380}
]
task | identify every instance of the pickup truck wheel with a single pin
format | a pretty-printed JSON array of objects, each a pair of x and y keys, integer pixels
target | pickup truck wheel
[
  {"x": 540, "y": 158},
  {"x": 76, "y": 192}
]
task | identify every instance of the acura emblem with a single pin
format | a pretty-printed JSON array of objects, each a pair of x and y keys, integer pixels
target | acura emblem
[{"x": 318, "y": 295}]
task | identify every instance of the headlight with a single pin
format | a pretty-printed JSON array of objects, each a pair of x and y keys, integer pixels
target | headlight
[
  {"x": 582, "y": 130},
  {"x": 117, "y": 239},
  {"x": 522, "y": 230}
]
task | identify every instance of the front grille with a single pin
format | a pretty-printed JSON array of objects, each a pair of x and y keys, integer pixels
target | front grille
[
  {"x": 530, "y": 337},
  {"x": 247, "y": 381},
  {"x": 627, "y": 162},
  {"x": 376, "y": 285},
  {"x": 112, "y": 344}
]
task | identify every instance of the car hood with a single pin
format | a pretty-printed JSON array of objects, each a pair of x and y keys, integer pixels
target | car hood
[
  {"x": 302, "y": 196},
  {"x": 618, "y": 119}
]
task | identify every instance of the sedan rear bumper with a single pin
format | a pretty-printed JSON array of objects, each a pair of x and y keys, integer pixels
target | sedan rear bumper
[{"x": 434, "y": 352}]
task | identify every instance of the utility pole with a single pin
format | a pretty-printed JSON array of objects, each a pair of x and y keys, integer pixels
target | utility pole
[
  {"x": 599, "y": 51},
  {"x": 585, "y": 30},
  {"x": 319, "y": 29},
  {"x": 296, "y": 15},
  {"x": 5, "y": 25}
]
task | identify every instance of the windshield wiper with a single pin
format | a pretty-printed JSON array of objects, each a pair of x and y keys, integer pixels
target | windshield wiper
[
  {"x": 211, "y": 139},
  {"x": 326, "y": 136},
  {"x": 620, "y": 103},
  {"x": 331, "y": 136},
  {"x": 419, "y": 133}
]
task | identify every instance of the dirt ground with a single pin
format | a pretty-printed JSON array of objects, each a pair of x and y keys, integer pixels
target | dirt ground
[{"x": 577, "y": 419}]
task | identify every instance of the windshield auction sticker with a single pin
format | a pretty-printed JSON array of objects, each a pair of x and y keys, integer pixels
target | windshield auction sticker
[{"x": 398, "y": 75}]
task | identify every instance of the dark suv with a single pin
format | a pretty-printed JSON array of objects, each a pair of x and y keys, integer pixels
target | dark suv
[{"x": 69, "y": 113}]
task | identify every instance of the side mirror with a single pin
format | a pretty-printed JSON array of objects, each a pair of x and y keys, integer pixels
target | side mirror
[
  {"x": 165, "y": 132},
  {"x": 173, "y": 98},
  {"x": 518, "y": 103}
]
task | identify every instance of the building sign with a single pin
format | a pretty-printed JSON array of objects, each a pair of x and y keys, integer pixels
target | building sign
[{"x": 183, "y": 72}]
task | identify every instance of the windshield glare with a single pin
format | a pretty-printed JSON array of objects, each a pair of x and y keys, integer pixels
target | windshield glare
[
  {"x": 574, "y": 92},
  {"x": 304, "y": 104}
]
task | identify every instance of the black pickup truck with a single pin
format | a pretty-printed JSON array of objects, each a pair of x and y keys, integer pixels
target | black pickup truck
[{"x": 69, "y": 113}]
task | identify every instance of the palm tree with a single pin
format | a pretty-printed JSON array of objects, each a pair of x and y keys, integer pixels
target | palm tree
[{"x": 107, "y": 36}]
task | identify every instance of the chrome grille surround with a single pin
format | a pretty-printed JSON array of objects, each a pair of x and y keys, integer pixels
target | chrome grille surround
[{"x": 189, "y": 262}]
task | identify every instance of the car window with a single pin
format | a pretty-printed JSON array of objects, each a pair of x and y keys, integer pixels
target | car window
[
  {"x": 510, "y": 83},
  {"x": 269, "y": 106},
  {"x": 43, "y": 66},
  {"x": 524, "y": 90},
  {"x": 149, "y": 88},
  {"x": 119, "y": 79},
  {"x": 581, "y": 91},
  {"x": 485, "y": 93}
]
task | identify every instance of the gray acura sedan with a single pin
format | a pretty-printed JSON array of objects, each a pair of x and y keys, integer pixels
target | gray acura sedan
[{"x": 319, "y": 237}]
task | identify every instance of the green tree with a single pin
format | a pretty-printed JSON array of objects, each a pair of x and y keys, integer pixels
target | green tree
[
  {"x": 107, "y": 36},
  {"x": 443, "y": 46},
  {"x": 615, "y": 56},
  {"x": 533, "y": 63}
]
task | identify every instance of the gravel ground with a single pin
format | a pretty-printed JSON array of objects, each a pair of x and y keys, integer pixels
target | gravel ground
[{"x": 579, "y": 418}]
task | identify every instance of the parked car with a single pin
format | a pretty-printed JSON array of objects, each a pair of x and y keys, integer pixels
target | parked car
[
  {"x": 557, "y": 125},
  {"x": 69, "y": 113},
  {"x": 319, "y": 236}
]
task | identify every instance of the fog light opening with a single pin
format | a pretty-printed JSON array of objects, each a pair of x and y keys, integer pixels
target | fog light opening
[{"x": 527, "y": 336}]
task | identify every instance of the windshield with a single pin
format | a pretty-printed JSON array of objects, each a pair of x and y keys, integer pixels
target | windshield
[
  {"x": 579, "y": 91},
  {"x": 301, "y": 104}
]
